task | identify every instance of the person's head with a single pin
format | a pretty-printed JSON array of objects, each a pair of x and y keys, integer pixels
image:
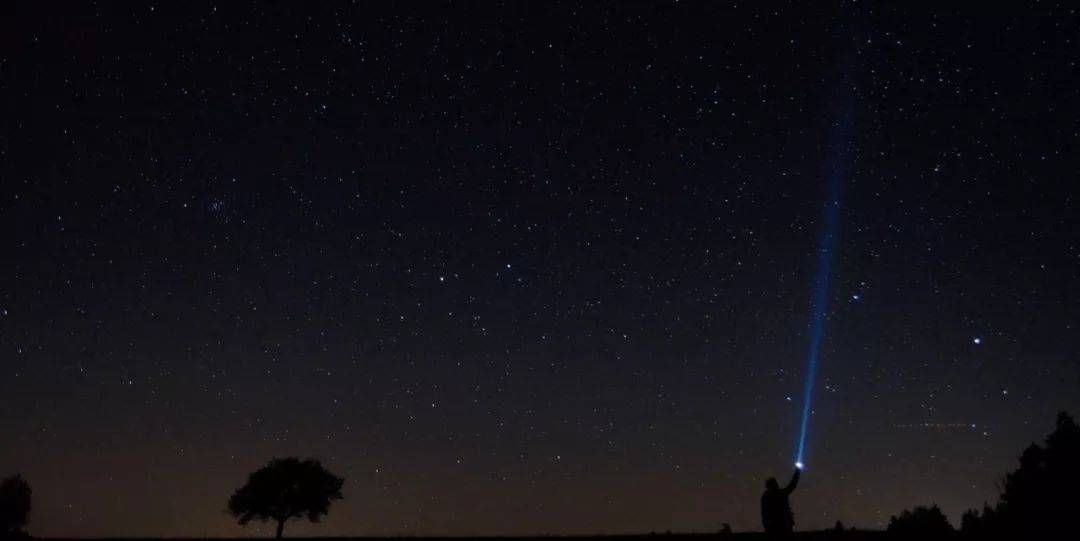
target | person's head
[{"x": 771, "y": 484}]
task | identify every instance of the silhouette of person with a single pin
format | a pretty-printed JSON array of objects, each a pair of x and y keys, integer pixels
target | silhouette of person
[{"x": 776, "y": 515}]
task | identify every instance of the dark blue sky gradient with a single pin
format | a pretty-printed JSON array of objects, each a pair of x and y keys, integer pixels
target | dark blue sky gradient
[{"x": 527, "y": 268}]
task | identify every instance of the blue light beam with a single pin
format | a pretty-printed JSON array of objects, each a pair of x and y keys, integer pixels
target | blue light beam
[{"x": 839, "y": 151}]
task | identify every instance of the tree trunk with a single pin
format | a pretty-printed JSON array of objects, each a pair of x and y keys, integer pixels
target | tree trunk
[{"x": 280, "y": 527}]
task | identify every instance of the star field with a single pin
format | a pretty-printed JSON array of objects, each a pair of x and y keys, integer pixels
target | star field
[{"x": 525, "y": 268}]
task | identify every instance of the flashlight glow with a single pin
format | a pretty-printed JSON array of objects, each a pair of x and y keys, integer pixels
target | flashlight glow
[
  {"x": 819, "y": 304},
  {"x": 839, "y": 156}
]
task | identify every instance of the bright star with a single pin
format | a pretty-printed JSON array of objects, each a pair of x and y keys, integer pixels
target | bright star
[{"x": 976, "y": 340}]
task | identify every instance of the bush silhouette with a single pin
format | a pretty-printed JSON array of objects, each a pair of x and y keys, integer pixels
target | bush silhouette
[
  {"x": 284, "y": 489},
  {"x": 14, "y": 505},
  {"x": 1039, "y": 498},
  {"x": 921, "y": 522}
]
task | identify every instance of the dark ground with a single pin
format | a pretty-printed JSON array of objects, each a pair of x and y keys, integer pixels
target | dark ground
[{"x": 826, "y": 534}]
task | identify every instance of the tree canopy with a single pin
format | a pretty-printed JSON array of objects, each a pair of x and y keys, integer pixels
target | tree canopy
[
  {"x": 1039, "y": 497},
  {"x": 923, "y": 522},
  {"x": 285, "y": 489}
]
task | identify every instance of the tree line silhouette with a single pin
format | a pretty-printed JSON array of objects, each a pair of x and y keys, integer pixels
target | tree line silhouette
[{"x": 1037, "y": 499}]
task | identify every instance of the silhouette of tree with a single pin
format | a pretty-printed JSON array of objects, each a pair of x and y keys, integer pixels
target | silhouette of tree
[
  {"x": 973, "y": 525},
  {"x": 284, "y": 489},
  {"x": 1039, "y": 498},
  {"x": 14, "y": 505},
  {"x": 922, "y": 522}
]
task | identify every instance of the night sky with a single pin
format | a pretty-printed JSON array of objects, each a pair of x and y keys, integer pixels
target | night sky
[{"x": 521, "y": 268}]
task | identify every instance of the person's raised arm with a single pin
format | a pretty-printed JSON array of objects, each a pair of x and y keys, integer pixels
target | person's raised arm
[{"x": 794, "y": 481}]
